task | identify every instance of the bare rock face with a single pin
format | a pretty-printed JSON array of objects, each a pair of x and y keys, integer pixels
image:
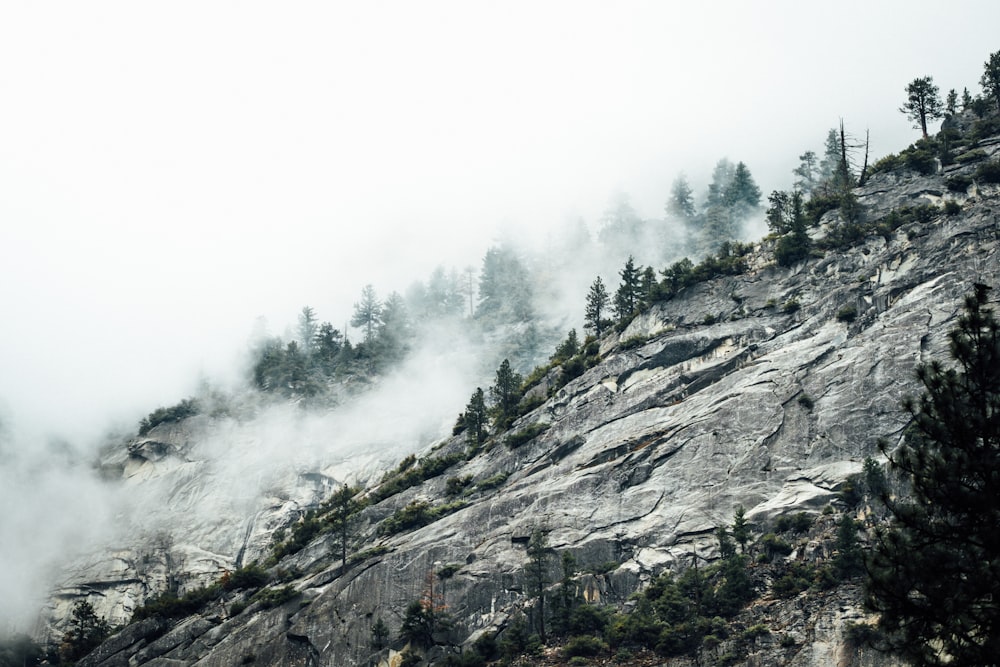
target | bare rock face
[{"x": 771, "y": 407}]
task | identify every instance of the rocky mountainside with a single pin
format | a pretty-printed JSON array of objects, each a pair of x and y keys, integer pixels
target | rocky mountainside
[{"x": 765, "y": 390}]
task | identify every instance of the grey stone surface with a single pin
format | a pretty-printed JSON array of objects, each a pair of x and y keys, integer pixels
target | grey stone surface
[{"x": 645, "y": 453}]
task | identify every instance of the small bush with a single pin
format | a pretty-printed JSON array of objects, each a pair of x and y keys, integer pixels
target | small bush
[
  {"x": 584, "y": 646},
  {"x": 493, "y": 482},
  {"x": 367, "y": 553},
  {"x": 790, "y": 306},
  {"x": 819, "y": 204},
  {"x": 862, "y": 634},
  {"x": 708, "y": 319},
  {"x": 793, "y": 582},
  {"x": 974, "y": 155},
  {"x": 455, "y": 485},
  {"x": 633, "y": 342},
  {"x": 799, "y": 522},
  {"x": 252, "y": 576},
  {"x": 754, "y": 632},
  {"x": 275, "y": 597},
  {"x": 414, "y": 515},
  {"x": 952, "y": 208},
  {"x": 920, "y": 161},
  {"x": 988, "y": 172},
  {"x": 186, "y": 408},
  {"x": 528, "y": 433},
  {"x": 847, "y": 314},
  {"x": 604, "y": 568},
  {"x": 959, "y": 183},
  {"x": 890, "y": 162},
  {"x": 772, "y": 546},
  {"x": 792, "y": 248},
  {"x": 806, "y": 401}
]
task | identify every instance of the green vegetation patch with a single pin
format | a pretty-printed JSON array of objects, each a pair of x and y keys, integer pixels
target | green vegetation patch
[
  {"x": 525, "y": 435},
  {"x": 187, "y": 408}
]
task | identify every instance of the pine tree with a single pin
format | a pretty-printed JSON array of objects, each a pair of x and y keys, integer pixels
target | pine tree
[
  {"x": 742, "y": 193},
  {"x": 719, "y": 226},
  {"x": 537, "y": 572},
  {"x": 380, "y": 634},
  {"x": 722, "y": 175},
  {"x": 923, "y": 102},
  {"x": 86, "y": 632},
  {"x": 990, "y": 81},
  {"x": 681, "y": 202},
  {"x": 627, "y": 295},
  {"x": 598, "y": 302},
  {"x": 951, "y": 102},
  {"x": 505, "y": 394},
  {"x": 966, "y": 99},
  {"x": 474, "y": 418},
  {"x": 933, "y": 573},
  {"x": 307, "y": 330},
  {"x": 504, "y": 288},
  {"x": 343, "y": 508},
  {"x": 648, "y": 286},
  {"x": 831, "y": 157},
  {"x": 806, "y": 172},
  {"x": 568, "y": 348},
  {"x": 327, "y": 347},
  {"x": 741, "y": 529},
  {"x": 367, "y": 314},
  {"x": 786, "y": 216},
  {"x": 393, "y": 328}
]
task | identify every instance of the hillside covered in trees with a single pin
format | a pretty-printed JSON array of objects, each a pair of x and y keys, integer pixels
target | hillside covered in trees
[{"x": 685, "y": 465}]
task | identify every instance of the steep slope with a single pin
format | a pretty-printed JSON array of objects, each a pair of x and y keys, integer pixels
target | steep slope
[{"x": 770, "y": 402}]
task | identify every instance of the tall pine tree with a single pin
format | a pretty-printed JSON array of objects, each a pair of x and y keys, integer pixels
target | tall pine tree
[
  {"x": 934, "y": 574},
  {"x": 595, "y": 314},
  {"x": 628, "y": 293},
  {"x": 923, "y": 102}
]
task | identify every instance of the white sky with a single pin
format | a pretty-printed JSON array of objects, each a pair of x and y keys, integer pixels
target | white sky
[{"x": 171, "y": 171}]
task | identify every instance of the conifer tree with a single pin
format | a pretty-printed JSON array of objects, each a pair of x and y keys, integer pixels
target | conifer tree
[
  {"x": 806, "y": 172},
  {"x": 722, "y": 175},
  {"x": 933, "y": 574},
  {"x": 86, "y": 632},
  {"x": 923, "y": 102},
  {"x": 505, "y": 394},
  {"x": 741, "y": 529},
  {"x": 966, "y": 99},
  {"x": 742, "y": 193},
  {"x": 393, "y": 332},
  {"x": 647, "y": 287},
  {"x": 598, "y": 301},
  {"x": 566, "y": 349},
  {"x": 307, "y": 330},
  {"x": 344, "y": 507},
  {"x": 537, "y": 574},
  {"x": 504, "y": 287},
  {"x": 475, "y": 416},
  {"x": 327, "y": 347},
  {"x": 990, "y": 80},
  {"x": 951, "y": 102},
  {"x": 367, "y": 314},
  {"x": 681, "y": 202},
  {"x": 627, "y": 296}
]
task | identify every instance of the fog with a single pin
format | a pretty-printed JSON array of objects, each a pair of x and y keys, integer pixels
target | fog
[{"x": 170, "y": 174}]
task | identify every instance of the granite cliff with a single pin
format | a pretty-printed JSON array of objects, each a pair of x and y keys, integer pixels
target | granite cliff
[{"x": 765, "y": 390}]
